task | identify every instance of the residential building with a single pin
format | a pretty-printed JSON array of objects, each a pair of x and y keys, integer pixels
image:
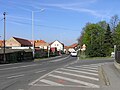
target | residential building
[
  {"x": 66, "y": 49},
  {"x": 57, "y": 44},
  {"x": 15, "y": 42},
  {"x": 73, "y": 47},
  {"x": 41, "y": 44},
  {"x": 1, "y": 43}
]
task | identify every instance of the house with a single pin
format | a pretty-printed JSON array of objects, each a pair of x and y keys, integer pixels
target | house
[
  {"x": 66, "y": 49},
  {"x": 15, "y": 42},
  {"x": 41, "y": 44},
  {"x": 1, "y": 43},
  {"x": 73, "y": 47},
  {"x": 57, "y": 44}
]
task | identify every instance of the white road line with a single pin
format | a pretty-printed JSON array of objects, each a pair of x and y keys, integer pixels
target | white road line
[
  {"x": 20, "y": 89},
  {"x": 20, "y": 67},
  {"x": 15, "y": 76},
  {"x": 89, "y": 65},
  {"x": 92, "y": 68},
  {"x": 40, "y": 71},
  {"x": 51, "y": 82},
  {"x": 81, "y": 76},
  {"x": 32, "y": 83},
  {"x": 62, "y": 86},
  {"x": 75, "y": 81},
  {"x": 95, "y": 71},
  {"x": 80, "y": 72},
  {"x": 59, "y": 59}
]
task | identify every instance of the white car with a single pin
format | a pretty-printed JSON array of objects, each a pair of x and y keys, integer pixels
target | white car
[{"x": 74, "y": 54}]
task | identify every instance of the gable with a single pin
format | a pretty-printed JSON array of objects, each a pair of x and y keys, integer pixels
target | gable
[
  {"x": 12, "y": 42},
  {"x": 56, "y": 43}
]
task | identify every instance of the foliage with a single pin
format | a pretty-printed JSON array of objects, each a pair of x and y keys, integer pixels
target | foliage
[
  {"x": 101, "y": 37},
  {"x": 116, "y": 36},
  {"x": 114, "y": 22},
  {"x": 93, "y": 38},
  {"x": 108, "y": 42}
]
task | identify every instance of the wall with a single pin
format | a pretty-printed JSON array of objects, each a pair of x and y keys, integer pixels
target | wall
[
  {"x": 58, "y": 45},
  {"x": 12, "y": 43}
]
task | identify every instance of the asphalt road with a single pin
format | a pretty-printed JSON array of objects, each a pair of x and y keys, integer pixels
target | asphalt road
[
  {"x": 52, "y": 74},
  {"x": 17, "y": 76}
]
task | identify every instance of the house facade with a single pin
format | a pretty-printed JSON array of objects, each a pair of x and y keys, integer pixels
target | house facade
[
  {"x": 41, "y": 44},
  {"x": 73, "y": 47},
  {"x": 1, "y": 43},
  {"x": 18, "y": 42},
  {"x": 57, "y": 44}
]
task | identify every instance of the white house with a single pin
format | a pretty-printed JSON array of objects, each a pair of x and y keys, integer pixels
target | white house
[{"x": 57, "y": 44}]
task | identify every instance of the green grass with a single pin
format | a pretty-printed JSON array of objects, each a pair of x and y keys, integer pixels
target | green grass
[{"x": 93, "y": 58}]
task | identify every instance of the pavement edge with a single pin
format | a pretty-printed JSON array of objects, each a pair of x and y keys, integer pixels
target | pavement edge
[{"x": 103, "y": 76}]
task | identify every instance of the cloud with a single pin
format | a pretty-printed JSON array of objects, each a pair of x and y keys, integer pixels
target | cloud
[{"x": 80, "y": 7}]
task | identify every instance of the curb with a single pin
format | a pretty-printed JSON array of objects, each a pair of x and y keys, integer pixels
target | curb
[
  {"x": 117, "y": 65},
  {"x": 35, "y": 60},
  {"x": 104, "y": 76}
]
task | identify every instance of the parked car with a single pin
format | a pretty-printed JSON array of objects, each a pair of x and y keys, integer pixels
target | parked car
[{"x": 74, "y": 54}]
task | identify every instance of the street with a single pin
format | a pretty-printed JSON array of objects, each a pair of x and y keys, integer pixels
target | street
[{"x": 57, "y": 74}]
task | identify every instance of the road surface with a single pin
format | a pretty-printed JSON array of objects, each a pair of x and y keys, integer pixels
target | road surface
[{"x": 55, "y": 74}]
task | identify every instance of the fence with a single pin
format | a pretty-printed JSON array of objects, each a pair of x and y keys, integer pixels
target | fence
[
  {"x": 117, "y": 56},
  {"x": 13, "y": 56}
]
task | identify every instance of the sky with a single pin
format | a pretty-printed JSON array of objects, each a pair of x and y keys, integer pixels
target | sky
[{"x": 61, "y": 20}]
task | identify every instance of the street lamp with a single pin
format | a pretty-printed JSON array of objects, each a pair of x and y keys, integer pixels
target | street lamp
[{"x": 33, "y": 48}]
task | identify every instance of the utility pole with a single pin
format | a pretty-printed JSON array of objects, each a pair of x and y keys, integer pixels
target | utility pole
[
  {"x": 33, "y": 43},
  {"x": 4, "y": 36}
]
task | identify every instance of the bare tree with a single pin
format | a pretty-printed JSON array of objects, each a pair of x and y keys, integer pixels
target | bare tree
[{"x": 114, "y": 22}]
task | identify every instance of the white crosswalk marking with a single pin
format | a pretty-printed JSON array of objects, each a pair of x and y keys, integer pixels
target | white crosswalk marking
[
  {"x": 90, "y": 68},
  {"x": 50, "y": 82},
  {"x": 80, "y": 71},
  {"x": 92, "y": 78},
  {"x": 86, "y": 76},
  {"x": 83, "y": 69},
  {"x": 74, "y": 80}
]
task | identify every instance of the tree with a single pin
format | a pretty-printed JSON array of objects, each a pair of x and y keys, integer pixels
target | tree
[
  {"x": 93, "y": 38},
  {"x": 103, "y": 24},
  {"x": 108, "y": 41},
  {"x": 114, "y": 22},
  {"x": 116, "y": 36}
]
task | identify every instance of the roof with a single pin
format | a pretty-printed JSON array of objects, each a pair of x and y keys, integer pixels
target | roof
[
  {"x": 41, "y": 43},
  {"x": 58, "y": 41},
  {"x": 73, "y": 45},
  {"x": 66, "y": 47},
  {"x": 23, "y": 41}
]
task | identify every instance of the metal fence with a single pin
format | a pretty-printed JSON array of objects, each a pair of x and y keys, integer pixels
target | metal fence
[{"x": 117, "y": 56}]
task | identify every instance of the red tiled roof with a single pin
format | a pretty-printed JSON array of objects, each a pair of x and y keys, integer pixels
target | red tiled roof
[
  {"x": 23, "y": 41},
  {"x": 73, "y": 45},
  {"x": 66, "y": 47},
  {"x": 40, "y": 43}
]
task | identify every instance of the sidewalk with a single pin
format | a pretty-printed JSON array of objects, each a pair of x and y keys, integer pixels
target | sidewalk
[{"x": 111, "y": 76}]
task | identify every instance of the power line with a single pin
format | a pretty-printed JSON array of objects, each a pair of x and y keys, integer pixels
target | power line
[
  {"x": 1, "y": 19},
  {"x": 45, "y": 26}
]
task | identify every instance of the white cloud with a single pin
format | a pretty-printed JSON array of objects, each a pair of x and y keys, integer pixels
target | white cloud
[{"x": 80, "y": 7}]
